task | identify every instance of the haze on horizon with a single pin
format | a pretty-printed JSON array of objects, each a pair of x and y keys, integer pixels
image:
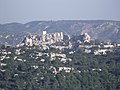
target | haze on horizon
[{"x": 23, "y": 11}]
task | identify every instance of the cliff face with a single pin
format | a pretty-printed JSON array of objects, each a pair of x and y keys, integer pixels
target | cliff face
[{"x": 13, "y": 33}]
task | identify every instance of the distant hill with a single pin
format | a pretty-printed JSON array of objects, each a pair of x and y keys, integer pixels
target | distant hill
[{"x": 105, "y": 30}]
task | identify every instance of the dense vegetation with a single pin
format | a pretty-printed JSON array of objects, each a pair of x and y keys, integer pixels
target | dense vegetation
[{"x": 95, "y": 72}]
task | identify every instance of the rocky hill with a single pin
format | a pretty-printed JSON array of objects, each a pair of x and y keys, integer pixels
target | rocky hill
[{"x": 105, "y": 30}]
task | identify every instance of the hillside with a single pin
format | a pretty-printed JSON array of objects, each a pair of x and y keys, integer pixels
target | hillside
[{"x": 106, "y": 30}]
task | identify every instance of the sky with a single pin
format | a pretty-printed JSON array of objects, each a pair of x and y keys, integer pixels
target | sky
[{"x": 24, "y": 11}]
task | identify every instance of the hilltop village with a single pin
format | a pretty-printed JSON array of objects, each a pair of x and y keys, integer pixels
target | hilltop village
[{"x": 61, "y": 41}]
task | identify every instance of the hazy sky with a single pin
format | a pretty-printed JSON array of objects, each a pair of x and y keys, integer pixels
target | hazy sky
[{"x": 30, "y": 10}]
